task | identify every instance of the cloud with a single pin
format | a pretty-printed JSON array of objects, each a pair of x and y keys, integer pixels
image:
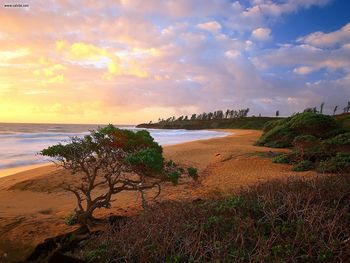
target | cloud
[
  {"x": 262, "y": 34},
  {"x": 131, "y": 61},
  {"x": 303, "y": 70},
  {"x": 321, "y": 39},
  {"x": 212, "y": 26}
]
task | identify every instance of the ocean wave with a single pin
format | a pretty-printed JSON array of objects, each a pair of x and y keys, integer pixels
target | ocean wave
[{"x": 20, "y": 147}]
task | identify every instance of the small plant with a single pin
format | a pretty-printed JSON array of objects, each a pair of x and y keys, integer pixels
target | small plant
[
  {"x": 305, "y": 165},
  {"x": 338, "y": 163},
  {"x": 193, "y": 172},
  {"x": 71, "y": 219},
  {"x": 95, "y": 254},
  {"x": 282, "y": 158},
  {"x": 174, "y": 177}
]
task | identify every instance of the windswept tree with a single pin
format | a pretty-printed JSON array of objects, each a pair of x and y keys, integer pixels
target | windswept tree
[
  {"x": 321, "y": 107},
  {"x": 335, "y": 110},
  {"x": 109, "y": 161}
]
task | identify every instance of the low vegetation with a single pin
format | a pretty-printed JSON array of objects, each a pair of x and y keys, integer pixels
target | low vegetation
[
  {"x": 316, "y": 140},
  {"x": 280, "y": 221},
  {"x": 256, "y": 123},
  {"x": 109, "y": 161}
]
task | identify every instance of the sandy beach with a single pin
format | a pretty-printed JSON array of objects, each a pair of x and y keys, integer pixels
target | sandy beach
[{"x": 33, "y": 205}]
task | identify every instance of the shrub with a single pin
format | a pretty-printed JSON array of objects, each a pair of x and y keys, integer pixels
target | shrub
[
  {"x": 315, "y": 124},
  {"x": 282, "y": 158},
  {"x": 337, "y": 144},
  {"x": 341, "y": 139},
  {"x": 305, "y": 165},
  {"x": 109, "y": 158},
  {"x": 174, "y": 177},
  {"x": 281, "y": 133},
  {"x": 96, "y": 254},
  {"x": 293, "y": 220},
  {"x": 306, "y": 144},
  {"x": 336, "y": 164},
  {"x": 192, "y": 172},
  {"x": 279, "y": 137},
  {"x": 71, "y": 219}
]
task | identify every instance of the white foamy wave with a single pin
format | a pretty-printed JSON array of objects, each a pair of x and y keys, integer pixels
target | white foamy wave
[{"x": 20, "y": 143}]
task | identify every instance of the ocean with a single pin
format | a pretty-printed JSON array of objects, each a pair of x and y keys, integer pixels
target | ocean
[{"x": 20, "y": 143}]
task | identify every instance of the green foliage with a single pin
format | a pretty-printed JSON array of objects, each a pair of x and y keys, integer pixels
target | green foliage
[
  {"x": 174, "y": 177},
  {"x": 71, "y": 219},
  {"x": 277, "y": 221},
  {"x": 338, "y": 163},
  {"x": 192, "y": 172},
  {"x": 107, "y": 157},
  {"x": 344, "y": 120},
  {"x": 282, "y": 158},
  {"x": 96, "y": 254},
  {"x": 305, "y": 165},
  {"x": 280, "y": 136},
  {"x": 256, "y": 123},
  {"x": 341, "y": 139},
  {"x": 282, "y": 133},
  {"x": 305, "y": 139},
  {"x": 149, "y": 159},
  {"x": 309, "y": 123}
]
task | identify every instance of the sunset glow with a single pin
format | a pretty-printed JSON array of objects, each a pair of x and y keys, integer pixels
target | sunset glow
[{"x": 132, "y": 61}]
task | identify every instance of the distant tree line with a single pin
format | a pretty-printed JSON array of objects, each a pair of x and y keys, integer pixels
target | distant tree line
[
  {"x": 346, "y": 109},
  {"x": 216, "y": 115}
]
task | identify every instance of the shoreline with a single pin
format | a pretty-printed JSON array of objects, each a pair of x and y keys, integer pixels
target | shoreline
[{"x": 20, "y": 169}]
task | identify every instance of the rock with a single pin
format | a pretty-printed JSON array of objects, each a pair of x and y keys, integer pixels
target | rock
[
  {"x": 59, "y": 244},
  {"x": 58, "y": 257}
]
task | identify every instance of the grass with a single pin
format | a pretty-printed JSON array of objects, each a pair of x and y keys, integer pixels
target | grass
[{"x": 297, "y": 220}]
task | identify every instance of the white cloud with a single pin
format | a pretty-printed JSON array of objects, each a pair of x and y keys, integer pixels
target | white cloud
[
  {"x": 212, "y": 26},
  {"x": 262, "y": 34},
  {"x": 303, "y": 70},
  {"x": 321, "y": 39}
]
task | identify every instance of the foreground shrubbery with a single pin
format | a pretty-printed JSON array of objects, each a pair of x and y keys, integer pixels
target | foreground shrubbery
[
  {"x": 294, "y": 221},
  {"x": 318, "y": 141}
]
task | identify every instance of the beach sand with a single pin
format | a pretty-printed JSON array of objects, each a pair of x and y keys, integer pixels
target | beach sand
[{"x": 33, "y": 205}]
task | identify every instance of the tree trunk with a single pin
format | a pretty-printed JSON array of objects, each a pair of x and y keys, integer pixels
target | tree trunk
[{"x": 85, "y": 218}]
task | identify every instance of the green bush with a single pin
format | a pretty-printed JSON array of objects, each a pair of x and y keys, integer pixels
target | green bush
[
  {"x": 338, "y": 163},
  {"x": 305, "y": 165},
  {"x": 281, "y": 133},
  {"x": 174, "y": 177},
  {"x": 341, "y": 139},
  {"x": 150, "y": 159},
  {"x": 279, "y": 137},
  {"x": 192, "y": 172},
  {"x": 96, "y": 254},
  {"x": 112, "y": 159},
  {"x": 71, "y": 219},
  {"x": 282, "y": 158},
  {"x": 272, "y": 124},
  {"x": 309, "y": 123}
]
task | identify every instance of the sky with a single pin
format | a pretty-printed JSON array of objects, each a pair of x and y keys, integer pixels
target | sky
[{"x": 132, "y": 61}]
